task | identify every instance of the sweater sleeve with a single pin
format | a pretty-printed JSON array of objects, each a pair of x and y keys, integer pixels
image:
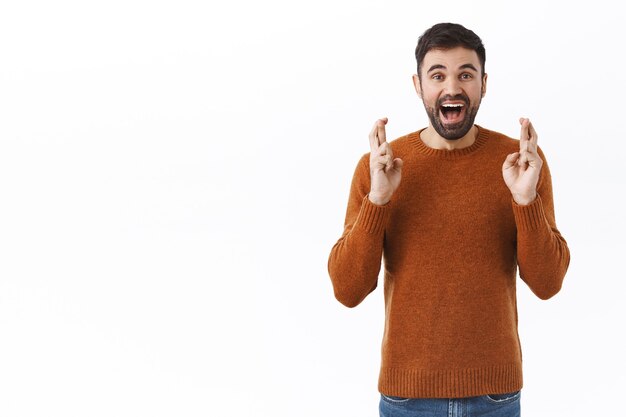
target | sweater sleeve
[
  {"x": 354, "y": 261},
  {"x": 542, "y": 253}
]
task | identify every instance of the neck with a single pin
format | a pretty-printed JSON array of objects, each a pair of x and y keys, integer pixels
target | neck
[{"x": 432, "y": 139}]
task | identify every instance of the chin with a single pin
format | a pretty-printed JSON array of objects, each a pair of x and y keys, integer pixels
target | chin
[{"x": 452, "y": 132}]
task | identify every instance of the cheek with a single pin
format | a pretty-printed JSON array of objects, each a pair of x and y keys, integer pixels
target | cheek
[
  {"x": 477, "y": 91},
  {"x": 430, "y": 97}
]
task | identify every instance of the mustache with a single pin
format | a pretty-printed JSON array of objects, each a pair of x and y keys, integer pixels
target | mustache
[{"x": 448, "y": 97}]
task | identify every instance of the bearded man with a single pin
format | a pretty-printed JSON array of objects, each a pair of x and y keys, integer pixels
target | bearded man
[{"x": 456, "y": 211}]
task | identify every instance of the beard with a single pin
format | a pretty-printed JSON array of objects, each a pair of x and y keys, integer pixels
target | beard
[{"x": 452, "y": 131}]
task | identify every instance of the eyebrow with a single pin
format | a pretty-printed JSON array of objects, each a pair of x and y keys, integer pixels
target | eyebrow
[{"x": 439, "y": 66}]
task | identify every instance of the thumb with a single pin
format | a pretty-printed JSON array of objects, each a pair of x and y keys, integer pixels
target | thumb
[
  {"x": 397, "y": 164},
  {"x": 510, "y": 160}
]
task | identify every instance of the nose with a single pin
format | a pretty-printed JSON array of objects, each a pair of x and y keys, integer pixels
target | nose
[{"x": 452, "y": 86}]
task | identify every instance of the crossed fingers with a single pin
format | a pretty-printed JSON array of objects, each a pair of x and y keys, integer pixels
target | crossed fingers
[
  {"x": 527, "y": 142},
  {"x": 381, "y": 157}
]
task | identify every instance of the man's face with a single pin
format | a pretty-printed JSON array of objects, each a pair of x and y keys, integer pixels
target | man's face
[{"x": 451, "y": 88}]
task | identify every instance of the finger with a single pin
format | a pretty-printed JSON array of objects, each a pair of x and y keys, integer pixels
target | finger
[
  {"x": 389, "y": 165},
  {"x": 523, "y": 159},
  {"x": 373, "y": 138},
  {"x": 510, "y": 160},
  {"x": 524, "y": 135},
  {"x": 523, "y": 142},
  {"x": 383, "y": 162},
  {"x": 530, "y": 158},
  {"x": 385, "y": 149},
  {"x": 382, "y": 135},
  {"x": 398, "y": 164},
  {"x": 534, "y": 160},
  {"x": 533, "y": 137}
]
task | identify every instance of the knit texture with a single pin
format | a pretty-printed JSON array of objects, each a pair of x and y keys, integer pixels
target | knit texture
[{"x": 452, "y": 240}]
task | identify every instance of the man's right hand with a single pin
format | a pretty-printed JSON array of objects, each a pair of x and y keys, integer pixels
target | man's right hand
[{"x": 385, "y": 171}]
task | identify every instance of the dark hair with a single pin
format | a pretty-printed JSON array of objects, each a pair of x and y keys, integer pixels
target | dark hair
[{"x": 448, "y": 36}]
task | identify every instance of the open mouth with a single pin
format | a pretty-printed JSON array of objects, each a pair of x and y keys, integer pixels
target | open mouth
[{"x": 452, "y": 112}]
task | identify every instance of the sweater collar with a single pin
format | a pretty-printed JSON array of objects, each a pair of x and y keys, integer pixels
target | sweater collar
[{"x": 421, "y": 147}]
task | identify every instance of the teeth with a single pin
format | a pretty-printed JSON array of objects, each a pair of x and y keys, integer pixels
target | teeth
[{"x": 452, "y": 105}]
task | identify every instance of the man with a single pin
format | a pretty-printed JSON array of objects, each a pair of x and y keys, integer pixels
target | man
[{"x": 454, "y": 209}]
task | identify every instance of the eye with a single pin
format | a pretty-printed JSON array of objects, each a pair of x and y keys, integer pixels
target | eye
[
  {"x": 437, "y": 77},
  {"x": 466, "y": 76}
]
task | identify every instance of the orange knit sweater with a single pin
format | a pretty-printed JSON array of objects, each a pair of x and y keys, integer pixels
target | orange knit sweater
[{"x": 451, "y": 239}]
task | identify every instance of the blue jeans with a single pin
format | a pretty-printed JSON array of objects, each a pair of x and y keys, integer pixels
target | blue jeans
[{"x": 492, "y": 405}]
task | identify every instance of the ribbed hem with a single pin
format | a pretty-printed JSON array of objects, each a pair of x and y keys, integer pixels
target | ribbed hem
[
  {"x": 372, "y": 217},
  {"x": 531, "y": 216},
  {"x": 453, "y": 383}
]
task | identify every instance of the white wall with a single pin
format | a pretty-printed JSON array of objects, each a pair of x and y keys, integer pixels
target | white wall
[{"x": 173, "y": 176}]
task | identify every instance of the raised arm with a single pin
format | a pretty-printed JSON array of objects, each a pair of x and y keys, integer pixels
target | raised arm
[
  {"x": 354, "y": 261},
  {"x": 542, "y": 253}
]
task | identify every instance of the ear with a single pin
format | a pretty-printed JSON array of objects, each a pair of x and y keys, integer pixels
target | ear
[
  {"x": 416, "y": 83},
  {"x": 484, "y": 87}
]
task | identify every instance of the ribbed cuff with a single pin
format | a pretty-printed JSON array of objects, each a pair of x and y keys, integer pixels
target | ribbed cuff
[
  {"x": 373, "y": 218},
  {"x": 531, "y": 216}
]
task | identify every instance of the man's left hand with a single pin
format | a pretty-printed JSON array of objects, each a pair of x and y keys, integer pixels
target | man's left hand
[{"x": 521, "y": 169}]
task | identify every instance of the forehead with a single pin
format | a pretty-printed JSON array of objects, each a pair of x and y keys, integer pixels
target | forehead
[{"x": 451, "y": 59}]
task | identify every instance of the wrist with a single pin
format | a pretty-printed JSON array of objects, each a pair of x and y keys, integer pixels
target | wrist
[
  {"x": 378, "y": 200},
  {"x": 524, "y": 200}
]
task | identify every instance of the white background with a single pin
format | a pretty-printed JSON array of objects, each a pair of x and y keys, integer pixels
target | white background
[{"x": 173, "y": 176}]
